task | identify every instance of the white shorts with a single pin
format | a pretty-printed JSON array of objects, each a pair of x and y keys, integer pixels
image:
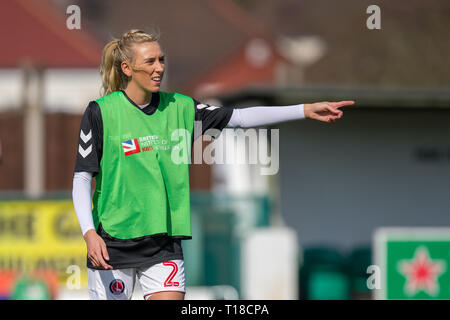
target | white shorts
[{"x": 119, "y": 284}]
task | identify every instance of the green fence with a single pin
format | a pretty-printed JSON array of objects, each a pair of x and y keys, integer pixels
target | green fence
[{"x": 328, "y": 273}]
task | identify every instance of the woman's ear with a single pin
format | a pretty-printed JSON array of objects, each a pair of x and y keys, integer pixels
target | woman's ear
[{"x": 126, "y": 68}]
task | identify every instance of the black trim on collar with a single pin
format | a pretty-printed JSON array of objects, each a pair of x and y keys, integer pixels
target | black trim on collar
[{"x": 151, "y": 107}]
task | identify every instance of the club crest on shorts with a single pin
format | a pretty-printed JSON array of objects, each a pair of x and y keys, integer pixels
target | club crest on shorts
[{"x": 117, "y": 286}]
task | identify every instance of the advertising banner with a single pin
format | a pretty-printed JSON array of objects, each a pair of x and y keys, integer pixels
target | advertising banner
[
  {"x": 414, "y": 263},
  {"x": 42, "y": 235}
]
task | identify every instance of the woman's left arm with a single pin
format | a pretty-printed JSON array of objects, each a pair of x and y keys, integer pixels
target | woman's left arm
[{"x": 256, "y": 116}]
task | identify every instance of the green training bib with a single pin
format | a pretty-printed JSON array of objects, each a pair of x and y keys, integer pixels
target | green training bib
[{"x": 140, "y": 189}]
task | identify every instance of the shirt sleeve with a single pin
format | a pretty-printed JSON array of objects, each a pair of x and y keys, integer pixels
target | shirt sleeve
[
  {"x": 81, "y": 196},
  {"x": 90, "y": 140},
  {"x": 210, "y": 117},
  {"x": 258, "y": 116}
]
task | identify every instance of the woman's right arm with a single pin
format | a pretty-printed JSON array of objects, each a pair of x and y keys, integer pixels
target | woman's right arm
[
  {"x": 89, "y": 153},
  {"x": 81, "y": 195}
]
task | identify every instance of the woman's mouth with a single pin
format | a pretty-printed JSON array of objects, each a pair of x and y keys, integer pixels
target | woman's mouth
[{"x": 157, "y": 80}]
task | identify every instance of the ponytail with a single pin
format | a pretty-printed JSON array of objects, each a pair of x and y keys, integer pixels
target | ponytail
[
  {"x": 111, "y": 79},
  {"x": 114, "y": 53}
]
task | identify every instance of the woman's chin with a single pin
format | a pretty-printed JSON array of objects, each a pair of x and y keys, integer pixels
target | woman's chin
[{"x": 152, "y": 89}]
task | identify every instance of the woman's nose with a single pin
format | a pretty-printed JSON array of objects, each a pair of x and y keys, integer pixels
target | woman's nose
[{"x": 159, "y": 67}]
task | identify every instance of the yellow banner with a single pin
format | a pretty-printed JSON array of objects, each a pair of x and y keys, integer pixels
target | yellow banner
[{"x": 41, "y": 235}]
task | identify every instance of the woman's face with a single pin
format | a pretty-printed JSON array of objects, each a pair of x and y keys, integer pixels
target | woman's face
[{"x": 147, "y": 68}]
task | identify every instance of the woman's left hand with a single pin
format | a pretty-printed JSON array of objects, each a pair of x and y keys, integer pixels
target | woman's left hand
[{"x": 325, "y": 111}]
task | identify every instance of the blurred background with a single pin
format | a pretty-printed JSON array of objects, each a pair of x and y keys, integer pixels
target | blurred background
[{"x": 369, "y": 190}]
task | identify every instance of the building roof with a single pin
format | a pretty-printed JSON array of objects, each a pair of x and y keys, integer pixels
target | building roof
[
  {"x": 410, "y": 50},
  {"x": 36, "y": 32},
  {"x": 198, "y": 36}
]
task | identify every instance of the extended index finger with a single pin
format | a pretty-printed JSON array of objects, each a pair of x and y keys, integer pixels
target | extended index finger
[{"x": 342, "y": 103}]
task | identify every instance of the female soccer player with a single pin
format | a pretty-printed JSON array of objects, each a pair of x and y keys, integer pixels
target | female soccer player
[{"x": 141, "y": 201}]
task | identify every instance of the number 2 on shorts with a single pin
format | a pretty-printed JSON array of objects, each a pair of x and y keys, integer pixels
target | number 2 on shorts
[{"x": 168, "y": 282}]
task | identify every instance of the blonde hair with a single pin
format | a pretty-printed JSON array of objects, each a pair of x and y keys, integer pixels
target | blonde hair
[{"x": 117, "y": 51}]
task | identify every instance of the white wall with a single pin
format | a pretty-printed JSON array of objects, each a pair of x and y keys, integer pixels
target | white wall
[
  {"x": 64, "y": 90},
  {"x": 339, "y": 182}
]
